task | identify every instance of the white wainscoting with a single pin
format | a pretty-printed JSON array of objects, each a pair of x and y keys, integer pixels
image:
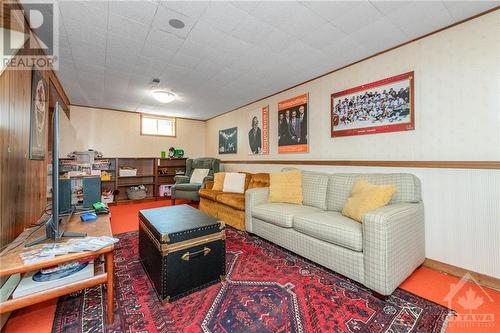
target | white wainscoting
[{"x": 462, "y": 211}]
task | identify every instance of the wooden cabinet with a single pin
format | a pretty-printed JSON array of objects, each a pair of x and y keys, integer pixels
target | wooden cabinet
[
  {"x": 167, "y": 169},
  {"x": 151, "y": 172},
  {"x": 145, "y": 176}
]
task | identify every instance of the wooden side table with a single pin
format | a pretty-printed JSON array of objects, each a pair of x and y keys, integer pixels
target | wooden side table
[{"x": 11, "y": 263}]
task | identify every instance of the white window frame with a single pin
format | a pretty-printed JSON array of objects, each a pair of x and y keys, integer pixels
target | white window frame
[{"x": 172, "y": 119}]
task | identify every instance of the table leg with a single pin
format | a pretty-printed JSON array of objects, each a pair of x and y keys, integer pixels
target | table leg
[{"x": 109, "y": 284}]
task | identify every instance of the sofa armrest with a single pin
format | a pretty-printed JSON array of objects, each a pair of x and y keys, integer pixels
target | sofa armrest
[
  {"x": 393, "y": 245},
  {"x": 209, "y": 184},
  {"x": 254, "y": 197},
  {"x": 181, "y": 179}
]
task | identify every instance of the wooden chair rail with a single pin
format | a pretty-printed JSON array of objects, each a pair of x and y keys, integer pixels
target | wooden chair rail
[{"x": 388, "y": 164}]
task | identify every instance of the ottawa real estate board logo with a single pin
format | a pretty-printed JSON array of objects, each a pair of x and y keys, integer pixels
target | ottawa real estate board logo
[
  {"x": 29, "y": 34},
  {"x": 472, "y": 305}
]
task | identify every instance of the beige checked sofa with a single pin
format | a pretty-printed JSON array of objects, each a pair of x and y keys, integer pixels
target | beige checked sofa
[{"x": 379, "y": 253}]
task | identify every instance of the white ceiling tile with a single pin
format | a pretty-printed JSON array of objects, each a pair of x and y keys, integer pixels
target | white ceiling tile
[
  {"x": 329, "y": 10},
  {"x": 202, "y": 51},
  {"x": 374, "y": 37},
  {"x": 460, "y": 10},
  {"x": 252, "y": 30},
  {"x": 247, "y": 6},
  {"x": 139, "y": 11},
  {"x": 86, "y": 11},
  {"x": 166, "y": 41},
  {"x": 359, "y": 15},
  {"x": 345, "y": 50},
  {"x": 323, "y": 37},
  {"x": 277, "y": 41},
  {"x": 224, "y": 77},
  {"x": 192, "y": 9},
  {"x": 89, "y": 68},
  {"x": 386, "y": 7},
  {"x": 419, "y": 18},
  {"x": 126, "y": 27},
  {"x": 80, "y": 32},
  {"x": 164, "y": 15},
  {"x": 89, "y": 53},
  {"x": 184, "y": 60},
  {"x": 229, "y": 53},
  {"x": 223, "y": 16}
]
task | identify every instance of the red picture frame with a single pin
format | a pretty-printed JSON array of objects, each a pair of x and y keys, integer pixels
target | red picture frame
[{"x": 367, "y": 110}]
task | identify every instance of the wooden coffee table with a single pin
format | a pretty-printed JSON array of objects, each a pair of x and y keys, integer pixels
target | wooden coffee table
[{"x": 11, "y": 263}]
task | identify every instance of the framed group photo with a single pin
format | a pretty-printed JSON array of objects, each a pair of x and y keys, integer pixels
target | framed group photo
[
  {"x": 292, "y": 125},
  {"x": 228, "y": 141},
  {"x": 377, "y": 107},
  {"x": 258, "y": 131}
]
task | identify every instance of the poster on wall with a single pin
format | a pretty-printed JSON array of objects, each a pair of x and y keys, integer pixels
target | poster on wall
[
  {"x": 292, "y": 125},
  {"x": 258, "y": 132},
  {"x": 38, "y": 116},
  {"x": 378, "y": 107},
  {"x": 228, "y": 141}
]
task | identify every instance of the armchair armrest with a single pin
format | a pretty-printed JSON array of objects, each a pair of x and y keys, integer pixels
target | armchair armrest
[
  {"x": 181, "y": 179},
  {"x": 393, "y": 245},
  {"x": 207, "y": 179},
  {"x": 254, "y": 197},
  {"x": 209, "y": 184}
]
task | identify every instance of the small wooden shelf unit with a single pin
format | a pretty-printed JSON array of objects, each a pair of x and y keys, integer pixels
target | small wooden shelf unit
[{"x": 151, "y": 172}]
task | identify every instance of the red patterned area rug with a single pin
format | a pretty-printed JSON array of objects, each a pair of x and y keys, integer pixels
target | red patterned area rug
[{"x": 268, "y": 289}]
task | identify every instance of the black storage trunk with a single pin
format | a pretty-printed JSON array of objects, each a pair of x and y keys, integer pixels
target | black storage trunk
[{"x": 182, "y": 250}]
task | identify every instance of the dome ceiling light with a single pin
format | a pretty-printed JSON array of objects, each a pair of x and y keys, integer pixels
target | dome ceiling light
[{"x": 161, "y": 95}]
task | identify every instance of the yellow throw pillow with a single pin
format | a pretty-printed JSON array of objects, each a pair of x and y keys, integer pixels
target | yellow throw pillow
[
  {"x": 218, "y": 181},
  {"x": 286, "y": 187},
  {"x": 365, "y": 197}
]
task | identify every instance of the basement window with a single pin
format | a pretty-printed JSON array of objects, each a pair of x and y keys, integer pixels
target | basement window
[{"x": 156, "y": 125}]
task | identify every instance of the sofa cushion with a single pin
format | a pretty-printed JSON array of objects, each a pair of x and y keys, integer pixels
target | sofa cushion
[
  {"x": 218, "y": 183},
  {"x": 188, "y": 187},
  {"x": 340, "y": 185},
  {"x": 209, "y": 194},
  {"x": 233, "y": 200},
  {"x": 366, "y": 197},
  {"x": 286, "y": 187},
  {"x": 314, "y": 186},
  {"x": 331, "y": 227},
  {"x": 259, "y": 180},
  {"x": 281, "y": 214}
]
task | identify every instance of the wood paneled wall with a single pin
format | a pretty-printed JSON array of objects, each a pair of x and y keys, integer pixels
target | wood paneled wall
[{"x": 22, "y": 181}]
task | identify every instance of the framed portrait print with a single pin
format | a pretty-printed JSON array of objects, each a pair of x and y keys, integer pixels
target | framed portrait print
[
  {"x": 292, "y": 125},
  {"x": 377, "y": 107},
  {"x": 258, "y": 131},
  {"x": 38, "y": 116},
  {"x": 228, "y": 141}
]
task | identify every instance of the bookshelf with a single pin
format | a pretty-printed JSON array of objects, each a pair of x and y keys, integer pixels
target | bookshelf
[{"x": 151, "y": 172}]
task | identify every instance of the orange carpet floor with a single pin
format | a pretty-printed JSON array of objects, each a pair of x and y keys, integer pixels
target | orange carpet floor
[{"x": 478, "y": 308}]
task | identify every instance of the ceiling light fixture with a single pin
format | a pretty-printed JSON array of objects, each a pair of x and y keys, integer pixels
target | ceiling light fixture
[{"x": 161, "y": 95}]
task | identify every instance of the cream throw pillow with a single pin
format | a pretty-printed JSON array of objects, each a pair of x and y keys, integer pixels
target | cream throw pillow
[
  {"x": 286, "y": 187},
  {"x": 366, "y": 197},
  {"x": 234, "y": 182},
  {"x": 198, "y": 175}
]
